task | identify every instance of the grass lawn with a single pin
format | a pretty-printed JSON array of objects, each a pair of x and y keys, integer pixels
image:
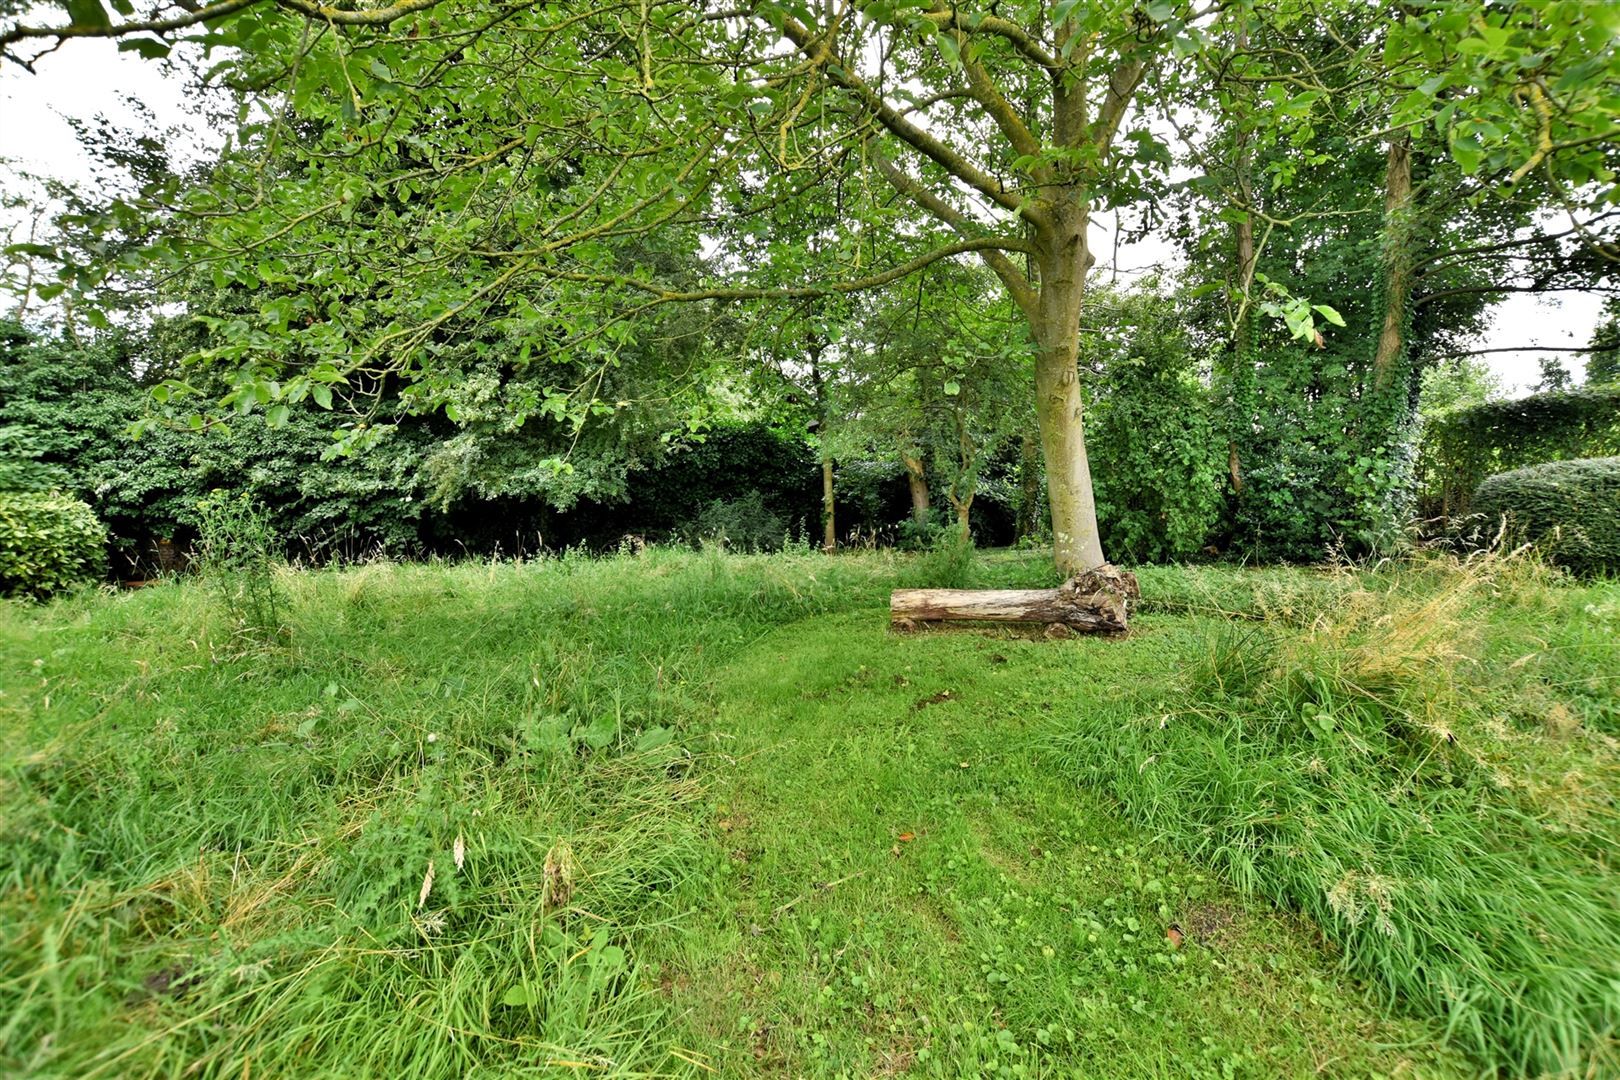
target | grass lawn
[{"x": 691, "y": 814}]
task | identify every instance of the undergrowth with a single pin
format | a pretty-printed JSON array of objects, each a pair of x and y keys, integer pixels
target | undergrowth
[{"x": 1427, "y": 768}]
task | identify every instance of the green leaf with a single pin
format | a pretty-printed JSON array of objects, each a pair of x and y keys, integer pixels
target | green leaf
[
  {"x": 1329, "y": 314},
  {"x": 149, "y": 48},
  {"x": 88, "y": 14},
  {"x": 43, "y": 251},
  {"x": 653, "y": 738},
  {"x": 517, "y": 996},
  {"x": 1467, "y": 153}
]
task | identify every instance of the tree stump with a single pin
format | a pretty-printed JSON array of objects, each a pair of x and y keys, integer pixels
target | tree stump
[{"x": 1096, "y": 601}]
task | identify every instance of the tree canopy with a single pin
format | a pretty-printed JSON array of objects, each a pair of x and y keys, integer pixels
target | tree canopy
[{"x": 497, "y": 211}]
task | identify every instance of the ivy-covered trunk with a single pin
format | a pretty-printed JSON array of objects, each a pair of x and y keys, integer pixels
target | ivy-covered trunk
[
  {"x": 829, "y": 530},
  {"x": 1382, "y": 466},
  {"x": 1398, "y": 210},
  {"x": 917, "y": 480},
  {"x": 1029, "y": 486}
]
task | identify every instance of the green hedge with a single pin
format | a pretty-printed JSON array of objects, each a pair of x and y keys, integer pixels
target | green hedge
[
  {"x": 48, "y": 541},
  {"x": 1464, "y": 447},
  {"x": 1569, "y": 509}
]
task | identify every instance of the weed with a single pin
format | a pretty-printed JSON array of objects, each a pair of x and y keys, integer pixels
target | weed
[{"x": 236, "y": 555}]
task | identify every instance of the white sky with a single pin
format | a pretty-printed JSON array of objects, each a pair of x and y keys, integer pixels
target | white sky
[{"x": 90, "y": 77}]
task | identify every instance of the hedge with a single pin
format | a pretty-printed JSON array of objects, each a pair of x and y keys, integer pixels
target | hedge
[
  {"x": 1464, "y": 447},
  {"x": 48, "y": 541},
  {"x": 1569, "y": 509}
]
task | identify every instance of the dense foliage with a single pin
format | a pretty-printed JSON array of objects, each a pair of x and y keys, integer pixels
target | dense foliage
[
  {"x": 48, "y": 542},
  {"x": 1463, "y": 447},
  {"x": 1160, "y": 459},
  {"x": 1569, "y": 509}
]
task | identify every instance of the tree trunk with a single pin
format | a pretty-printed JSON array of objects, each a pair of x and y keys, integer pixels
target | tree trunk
[
  {"x": 1029, "y": 486},
  {"x": 1397, "y": 260},
  {"x": 1247, "y": 260},
  {"x": 917, "y": 479},
  {"x": 829, "y": 532},
  {"x": 963, "y": 506},
  {"x": 1055, "y": 324}
]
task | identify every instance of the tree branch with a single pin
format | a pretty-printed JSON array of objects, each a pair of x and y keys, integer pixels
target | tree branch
[
  {"x": 912, "y": 135},
  {"x": 1020, "y": 38},
  {"x": 1023, "y": 295},
  {"x": 795, "y": 292}
]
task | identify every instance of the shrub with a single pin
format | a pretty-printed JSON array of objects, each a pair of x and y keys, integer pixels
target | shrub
[
  {"x": 1569, "y": 509},
  {"x": 741, "y": 524},
  {"x": 48, "y": 541},
  {"x": 1464, "y": 447}
]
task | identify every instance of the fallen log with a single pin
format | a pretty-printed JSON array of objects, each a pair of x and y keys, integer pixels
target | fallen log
[{"x": 1097, "y": 601}]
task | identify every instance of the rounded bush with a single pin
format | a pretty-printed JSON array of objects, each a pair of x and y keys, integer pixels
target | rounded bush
[
  {"x": 1569, "y": 509},
  {"x": 47, "y": 542}
]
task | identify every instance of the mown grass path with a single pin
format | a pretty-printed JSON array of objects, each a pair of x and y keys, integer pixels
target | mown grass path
[{"x": 911, "y": 891}]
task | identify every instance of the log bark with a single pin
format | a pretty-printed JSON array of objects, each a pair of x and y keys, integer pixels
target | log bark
[{"x": 1097, "y": 602}]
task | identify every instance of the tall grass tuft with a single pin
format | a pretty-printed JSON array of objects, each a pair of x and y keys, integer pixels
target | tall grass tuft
[{"x": 1408, "y": 771}]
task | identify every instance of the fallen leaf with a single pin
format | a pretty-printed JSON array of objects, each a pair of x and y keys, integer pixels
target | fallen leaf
[
  {"x": 459, "y": 852},
  {"x": 427, "y": 885},
  {"x": 895, "y": 851},
  {"x": 1173, "y": 934},
  {"x": 558, "y": 873},
  {"x": 906, "y": 838}
]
